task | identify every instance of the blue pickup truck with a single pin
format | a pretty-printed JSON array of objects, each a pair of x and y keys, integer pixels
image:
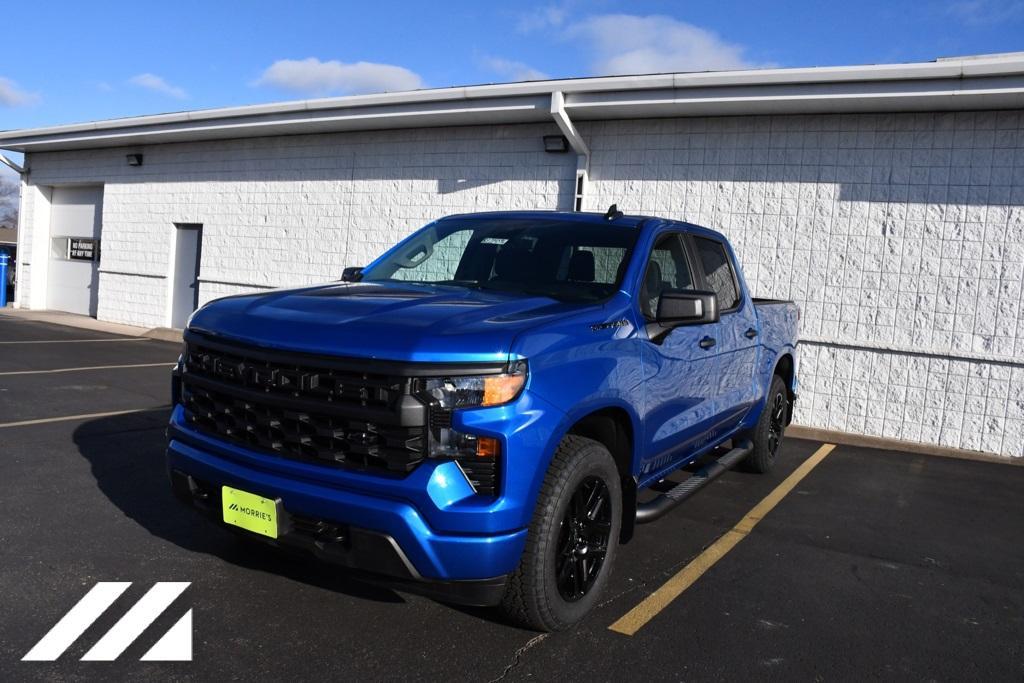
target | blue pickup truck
[{"x": 485, "y": 412}]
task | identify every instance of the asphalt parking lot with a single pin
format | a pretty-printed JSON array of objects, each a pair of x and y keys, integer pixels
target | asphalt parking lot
[{"x": 874, "y": 565}]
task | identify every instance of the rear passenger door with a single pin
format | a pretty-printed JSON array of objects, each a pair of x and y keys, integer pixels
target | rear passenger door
[{"x": 735, "y": 334}]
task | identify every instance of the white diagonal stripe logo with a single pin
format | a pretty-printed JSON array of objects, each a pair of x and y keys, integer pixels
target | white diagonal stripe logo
[
  {"x": 74, "y": 623},
  {"x": 134, "y": 622},
  {"x": 175, "y": 645}
]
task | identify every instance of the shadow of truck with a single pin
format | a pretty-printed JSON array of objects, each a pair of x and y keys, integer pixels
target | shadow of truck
[{"x": 126, "y": 456}]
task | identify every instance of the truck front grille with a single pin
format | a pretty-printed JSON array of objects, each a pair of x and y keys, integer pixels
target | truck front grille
[
  {"x": 324, "y": 439},
  {"x": 333, "y": 385},
  {"x": 294, "y": 407}
]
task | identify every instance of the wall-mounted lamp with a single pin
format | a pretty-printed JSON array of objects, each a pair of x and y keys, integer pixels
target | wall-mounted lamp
[
  {"x": 556, "y": 144},
  {"x": 135, "y": 160}
]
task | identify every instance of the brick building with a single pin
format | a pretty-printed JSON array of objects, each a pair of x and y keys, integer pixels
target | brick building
[{"x": 887, "y": 200}]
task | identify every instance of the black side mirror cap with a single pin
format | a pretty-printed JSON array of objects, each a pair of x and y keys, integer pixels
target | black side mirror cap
[
  {"x": 686, "y": 307},
  {"x": 352, "y": 274}
]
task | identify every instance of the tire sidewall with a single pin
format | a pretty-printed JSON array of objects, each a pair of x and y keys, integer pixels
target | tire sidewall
[
  {"x": 592, "y": 460},
  {"x": 776, "y": 387}
]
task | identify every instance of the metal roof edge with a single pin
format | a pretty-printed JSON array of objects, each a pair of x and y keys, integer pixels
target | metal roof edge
[{"x": 234, "y": 119}]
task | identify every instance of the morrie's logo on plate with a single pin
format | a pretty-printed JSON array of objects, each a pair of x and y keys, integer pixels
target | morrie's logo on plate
[
  {"x": 252, "y": 512},
  {"x": 173, "y": 646}
]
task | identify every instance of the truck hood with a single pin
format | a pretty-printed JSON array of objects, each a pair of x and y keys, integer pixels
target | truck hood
[{"x": 388, "y": 321}]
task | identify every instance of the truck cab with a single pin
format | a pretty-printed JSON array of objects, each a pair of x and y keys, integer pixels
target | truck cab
[{"x": 475, "y": 414}]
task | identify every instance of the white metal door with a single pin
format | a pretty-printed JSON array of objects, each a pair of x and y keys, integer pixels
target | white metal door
[
  {"x": 185, "y": 293},
  {"x": 73, "y": 273}
]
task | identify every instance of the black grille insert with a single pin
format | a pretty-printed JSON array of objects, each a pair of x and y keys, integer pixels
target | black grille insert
[
  {"x": 339, "y": 387},
  {"x": 325, "y": 439},
  {"x": 348, "y": 416}
]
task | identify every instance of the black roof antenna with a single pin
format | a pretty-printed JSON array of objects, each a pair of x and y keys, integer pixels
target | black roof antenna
[{"x": 613, "y": 213}]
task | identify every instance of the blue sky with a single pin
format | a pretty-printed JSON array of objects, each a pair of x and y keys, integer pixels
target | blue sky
[{"x": 66, "y": 62}]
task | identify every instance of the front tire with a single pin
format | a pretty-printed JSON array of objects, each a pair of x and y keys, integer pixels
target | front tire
[
  {"x": 572, "y": 540},
  {"x": 770, "y": 429}
]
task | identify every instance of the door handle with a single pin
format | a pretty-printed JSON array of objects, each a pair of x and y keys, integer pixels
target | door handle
[
  {"x": 750, "y": 333},
  {"x": 707, "y": 342}
]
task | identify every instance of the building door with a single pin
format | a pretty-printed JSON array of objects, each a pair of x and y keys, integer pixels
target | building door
[
  {"x": 188, "y": 243},
  {"x": 73, "y": 274}
]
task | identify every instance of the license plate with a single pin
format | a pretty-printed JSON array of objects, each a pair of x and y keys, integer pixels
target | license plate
[{"x": 249, "y": 511}]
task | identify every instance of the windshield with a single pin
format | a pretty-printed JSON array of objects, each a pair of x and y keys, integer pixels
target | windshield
[{"x": 566, "y": 260}]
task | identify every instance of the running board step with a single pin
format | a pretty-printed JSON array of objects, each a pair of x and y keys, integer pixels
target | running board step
[{"x": 655, "y": 509}]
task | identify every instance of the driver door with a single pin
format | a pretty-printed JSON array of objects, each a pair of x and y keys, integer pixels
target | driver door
[{"x": 678, "y": 372}]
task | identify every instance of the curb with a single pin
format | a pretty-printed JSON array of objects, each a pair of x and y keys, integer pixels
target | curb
[{"x": 884, "y": 444}]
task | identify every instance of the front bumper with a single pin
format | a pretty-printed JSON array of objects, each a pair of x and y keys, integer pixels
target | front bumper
[
  {"x": 373, "y": 556},
  {"x": 441, "y": 531}
]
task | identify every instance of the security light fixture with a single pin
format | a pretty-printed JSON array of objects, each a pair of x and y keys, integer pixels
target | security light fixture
[
  {"x": 135, "y": 160},
  {"x": 556, "y": 144}
]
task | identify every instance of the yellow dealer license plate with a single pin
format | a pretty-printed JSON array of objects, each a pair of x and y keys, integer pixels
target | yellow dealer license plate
[{"x": 249, "y": 511}]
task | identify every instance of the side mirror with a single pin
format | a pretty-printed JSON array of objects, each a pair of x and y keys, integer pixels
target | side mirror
[
  {"x": 352, "y": 274},
  {"x": 686, "y": 307}
]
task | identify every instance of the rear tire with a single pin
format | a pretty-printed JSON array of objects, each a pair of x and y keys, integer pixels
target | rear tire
[
  {"x": 770, "y": 429},
  {"x": 572, "y": 539}
]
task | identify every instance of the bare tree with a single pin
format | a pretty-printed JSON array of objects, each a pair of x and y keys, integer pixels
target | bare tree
[{"x": 10, "y": 192}]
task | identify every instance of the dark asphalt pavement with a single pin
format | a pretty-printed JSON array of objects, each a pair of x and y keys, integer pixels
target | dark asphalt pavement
[{"x": 877, "y": 565}]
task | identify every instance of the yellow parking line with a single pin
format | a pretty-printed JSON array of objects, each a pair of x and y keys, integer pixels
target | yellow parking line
[
  {"x": 75, "y": 341},
  {"x": 83, "y": 369},
  {"x": 88, "y": 416},
  {"x": 635, "y": 619}
]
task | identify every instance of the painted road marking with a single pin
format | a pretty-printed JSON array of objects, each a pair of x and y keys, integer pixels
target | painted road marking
[
  {"x": 635, "y": 619},
  {"x": 69, "y": 418},
  {"x": 83, "y": 369},
  {"x": 75, "y": 341}
]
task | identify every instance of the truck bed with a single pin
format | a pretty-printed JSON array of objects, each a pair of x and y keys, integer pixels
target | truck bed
[{"x": 779, "y": 320}]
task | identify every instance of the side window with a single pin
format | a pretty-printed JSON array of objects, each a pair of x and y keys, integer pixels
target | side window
[
  {"x": 435, "y": 262},
  {"x": 718, "y": 272},
  {"x": 667, "y": 268}
]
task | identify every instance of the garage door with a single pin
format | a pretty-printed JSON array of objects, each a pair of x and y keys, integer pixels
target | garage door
[{"x": 73, "y": 275}]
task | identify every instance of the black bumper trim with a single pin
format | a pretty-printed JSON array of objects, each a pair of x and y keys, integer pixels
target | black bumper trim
[{"x": 368, "y": 556}]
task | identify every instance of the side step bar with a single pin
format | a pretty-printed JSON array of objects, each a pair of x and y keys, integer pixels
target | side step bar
[{"x": 655, "y": 509}]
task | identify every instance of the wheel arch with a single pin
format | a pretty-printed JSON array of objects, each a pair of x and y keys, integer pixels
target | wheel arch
[
  {"x": 785, "y": 367},
  {"x": 614, "y": 427}
]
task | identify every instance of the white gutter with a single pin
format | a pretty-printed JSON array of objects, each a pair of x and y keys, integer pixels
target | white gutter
[
  {"x": 577, "y": 143},
  {"x": 963, "y": 83},
  {"x": 20, "y": 170}
]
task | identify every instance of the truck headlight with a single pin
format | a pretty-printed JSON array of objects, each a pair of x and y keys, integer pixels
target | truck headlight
[
  {"x": 478, "y": 456},
  {"x": 450, "y": 393}
]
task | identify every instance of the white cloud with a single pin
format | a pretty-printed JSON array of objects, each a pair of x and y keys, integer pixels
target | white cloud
[
  {"x": 630, "y": 44},
  {"x": 513, "y": 70},
  {"x": 540, "y": 18},
  {"x": 157, "y": 84},
  {"x": 982, "y": 12},
  {"x": 13, "y": 96},
  {"x": 313, "y": 77}
]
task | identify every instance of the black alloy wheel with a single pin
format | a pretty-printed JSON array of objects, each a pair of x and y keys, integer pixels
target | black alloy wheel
[
  {"x": 776, "y": 423},
  {"x": 583, "y": 539}
]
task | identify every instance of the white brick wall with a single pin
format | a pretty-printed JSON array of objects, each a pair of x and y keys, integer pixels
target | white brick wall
[
  {"x": 901, "y": 236},
  {"x": 294, "y": 210}
]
